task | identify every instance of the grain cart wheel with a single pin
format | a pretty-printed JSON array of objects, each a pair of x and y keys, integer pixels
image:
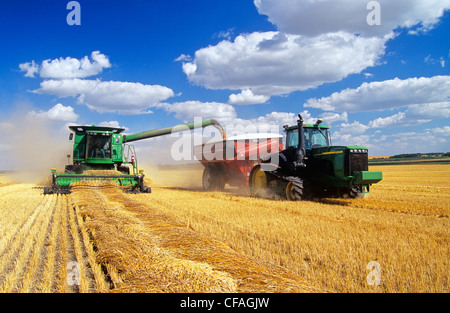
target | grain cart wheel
[
  {"x": 212, "y": 179},
  {"x": 258, "y": 181}
]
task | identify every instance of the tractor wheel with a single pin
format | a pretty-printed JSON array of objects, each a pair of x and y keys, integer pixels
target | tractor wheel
[
  {"x": 355, "y": 192},
  {"x": 295, "y": 189},
  {"x": 258, "y": 181},
  {"x": 299, "y": 189},
  {"x": 212, "y": 179}
]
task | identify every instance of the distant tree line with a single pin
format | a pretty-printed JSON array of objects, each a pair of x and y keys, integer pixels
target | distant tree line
[
  {"x": 420, "y": 155},
  {"x": 405, "y": 155}
]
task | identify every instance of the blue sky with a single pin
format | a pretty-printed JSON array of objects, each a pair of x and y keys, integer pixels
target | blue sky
[{"x": 152, "y": 64}]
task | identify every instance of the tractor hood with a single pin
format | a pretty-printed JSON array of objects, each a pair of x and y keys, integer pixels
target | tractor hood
[{"x": 334, "y": 150}]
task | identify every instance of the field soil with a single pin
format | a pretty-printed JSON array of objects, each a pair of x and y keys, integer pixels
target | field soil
[{"x": 181, "y": 239}]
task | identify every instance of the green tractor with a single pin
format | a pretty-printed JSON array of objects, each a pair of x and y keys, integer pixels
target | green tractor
[
  {"x": 310, "y": 167},
  {"x": 98, "y": 150}
]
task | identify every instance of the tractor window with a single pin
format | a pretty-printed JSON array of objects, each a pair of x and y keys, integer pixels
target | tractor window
[
  {"x": 292, "y": 138},
  {"x": 99, "y": 147},
  {"x": 314, "y": 137}
]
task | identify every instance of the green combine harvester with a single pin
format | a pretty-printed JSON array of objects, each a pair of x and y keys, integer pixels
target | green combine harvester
[{"x": 103, "y": 154}]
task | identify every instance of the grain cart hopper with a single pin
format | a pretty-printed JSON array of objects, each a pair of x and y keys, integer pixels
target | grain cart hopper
[
  {"x": 104, "y": 154},
  {"x": 231, "y": 160},
  {"x": 310, "y": 166}
]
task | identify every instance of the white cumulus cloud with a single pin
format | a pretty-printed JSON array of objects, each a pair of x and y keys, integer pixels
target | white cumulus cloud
[
  {"x": 441, "y": 131},
  {"x": 58, "y": 113},
  {"x": 64, "y": 68},
  {"x": 112, "y": 124},
  {"x": 246, "y": 97},
  {"x": 353, "y": 128},
  {"x": 111, "y": 96},
  {"x": 387, "y": 94},
  {"x": 330, "y": 117},
  {"x": 316, "y": 42},
  {"x": 30, "y": 68},
  {"x": 382, "y": 122},
  {"x": 274, "y": 63},
  {"x": 430, "y": 110},
  {"x": 189, "y": 110},
  {"x": 314, "y": 17}
]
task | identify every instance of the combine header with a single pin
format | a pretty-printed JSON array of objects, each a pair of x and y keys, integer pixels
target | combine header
[{"x": 103, "y": 154}]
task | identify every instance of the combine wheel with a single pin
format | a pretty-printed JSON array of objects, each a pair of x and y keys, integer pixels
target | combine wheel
[
  {"x": 48, "y": 191},
  {"x": 124, "y": 169},
  {"x": 146, "y": 189},
  {"x": 212, "y": 179}
]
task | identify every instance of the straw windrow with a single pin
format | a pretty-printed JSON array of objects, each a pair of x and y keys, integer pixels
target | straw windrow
[{"x": 152, "y": 252}]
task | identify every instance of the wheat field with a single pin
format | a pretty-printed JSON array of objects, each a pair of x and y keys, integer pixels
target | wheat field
[{"x": 181, "y": 239}]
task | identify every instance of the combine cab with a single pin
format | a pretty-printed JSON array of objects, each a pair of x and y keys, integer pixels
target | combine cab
[{"x": 103, "y": 154}]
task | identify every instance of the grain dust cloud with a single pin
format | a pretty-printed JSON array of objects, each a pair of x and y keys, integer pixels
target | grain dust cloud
[{"x": 32, "y": 146}]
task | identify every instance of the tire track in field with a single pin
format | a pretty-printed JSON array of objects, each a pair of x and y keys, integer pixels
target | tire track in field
[
  {"x": 34, "y": 263},
  {"x": 48, "y": 273},
  {"x": 23, "y": 228},
  {"x": 14, "y": 262},
  {"x": 73, "y": 272},
  {"x": 38, "y": 254},
  {"x": 8, "y": 258}
]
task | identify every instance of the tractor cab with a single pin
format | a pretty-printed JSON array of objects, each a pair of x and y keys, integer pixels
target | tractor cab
[{"x": 315, "y": 136}]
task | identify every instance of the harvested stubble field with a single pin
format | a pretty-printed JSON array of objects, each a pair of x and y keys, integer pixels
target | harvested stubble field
[{"x": 186, "y": 240}]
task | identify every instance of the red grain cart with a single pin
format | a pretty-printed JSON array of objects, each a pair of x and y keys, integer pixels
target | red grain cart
[{"x": 230, "y": 161}]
